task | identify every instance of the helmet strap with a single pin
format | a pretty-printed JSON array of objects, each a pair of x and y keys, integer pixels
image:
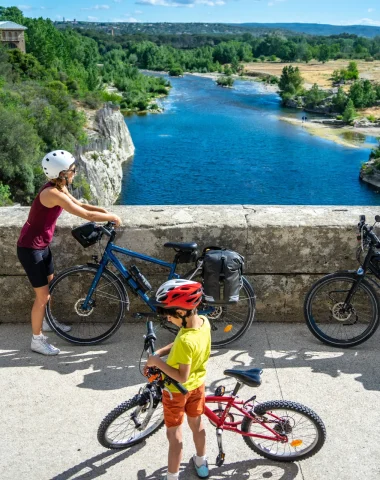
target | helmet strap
[{"x": 184, "y": 322}]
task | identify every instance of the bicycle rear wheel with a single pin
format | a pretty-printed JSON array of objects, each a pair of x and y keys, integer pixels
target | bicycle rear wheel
[
  {"x": 131, "y": 422},
  {"x": 68, "y": 291},
  {"x": 332, "y": 320},
  {"x": 229, "y": 322},
  {"x": 304, "y": 429}
]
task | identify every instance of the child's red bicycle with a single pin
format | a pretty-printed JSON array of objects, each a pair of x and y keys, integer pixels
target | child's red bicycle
[{"x": 279, "y": 430}]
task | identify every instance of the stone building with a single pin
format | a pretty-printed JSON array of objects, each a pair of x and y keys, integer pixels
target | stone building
[{"x": 12, "y": 35}]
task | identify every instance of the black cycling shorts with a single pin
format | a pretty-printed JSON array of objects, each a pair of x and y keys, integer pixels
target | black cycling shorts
[{"x": 38, "y": 264}]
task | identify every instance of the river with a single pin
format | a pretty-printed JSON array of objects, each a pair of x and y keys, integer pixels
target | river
[{"x": 228, "y": 146}]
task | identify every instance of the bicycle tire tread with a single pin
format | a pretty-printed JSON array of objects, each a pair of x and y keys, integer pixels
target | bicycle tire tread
[
  {"x": 115, "y": 413},
  {"x": 262, "y": 408}
]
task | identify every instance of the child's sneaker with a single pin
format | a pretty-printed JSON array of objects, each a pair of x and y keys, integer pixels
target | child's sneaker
[
  {"x": 47, "y": 328},
  {"x": 202, "y": 471},
  {"x": 40, "y": 345}
]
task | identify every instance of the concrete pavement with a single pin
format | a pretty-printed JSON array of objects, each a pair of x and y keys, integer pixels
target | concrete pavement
[{"x": 51, "y": 407}]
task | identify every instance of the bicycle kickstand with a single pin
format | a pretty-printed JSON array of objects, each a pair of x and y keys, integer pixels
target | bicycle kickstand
[{"x": 221, "y": 456}]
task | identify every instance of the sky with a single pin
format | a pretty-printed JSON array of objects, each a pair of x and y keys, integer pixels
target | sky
[{"x": 336, "y": 12}]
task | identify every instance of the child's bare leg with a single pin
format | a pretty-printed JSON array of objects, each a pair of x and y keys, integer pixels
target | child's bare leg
[
  {"x": 199, "y": 434},
  {"x": 174, "y": 435}
]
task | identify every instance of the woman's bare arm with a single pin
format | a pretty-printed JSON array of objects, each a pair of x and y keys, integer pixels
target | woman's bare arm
[
  {"x": 90, "y": 208},
  {"x": 53, "y": 197}
]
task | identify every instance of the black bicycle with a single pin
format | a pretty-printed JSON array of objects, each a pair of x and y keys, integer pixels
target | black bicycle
[{"x": 342, "y": 309}]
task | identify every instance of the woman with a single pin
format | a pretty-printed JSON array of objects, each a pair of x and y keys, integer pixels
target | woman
[{"x": 33, "y": 246}]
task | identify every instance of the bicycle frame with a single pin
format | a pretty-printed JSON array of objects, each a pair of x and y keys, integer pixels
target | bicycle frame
[
  {"x": 362, "y": 271},
  {"x": 221, "y": 421},
  {"x": 108, "y": 256}
]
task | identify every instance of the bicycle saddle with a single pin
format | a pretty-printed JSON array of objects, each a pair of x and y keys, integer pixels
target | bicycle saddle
[
  {"x": 184, "y": 247},
  {"x": 248, "y": 377}
]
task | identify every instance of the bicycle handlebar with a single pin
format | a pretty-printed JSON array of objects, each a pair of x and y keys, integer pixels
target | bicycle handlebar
[
  {"x": 150, "y": 338},
  {"x": 368, "y": 230}
]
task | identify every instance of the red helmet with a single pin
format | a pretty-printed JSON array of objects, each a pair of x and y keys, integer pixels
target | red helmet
[{"x": 179, "y": 293}]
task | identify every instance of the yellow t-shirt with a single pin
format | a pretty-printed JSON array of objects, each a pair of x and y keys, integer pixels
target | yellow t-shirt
[{"x": 192, "y": 346}]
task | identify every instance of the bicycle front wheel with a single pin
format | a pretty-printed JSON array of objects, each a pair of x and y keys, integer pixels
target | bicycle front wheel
[
  {"x": 131, "y": 422},
  {"x": 335, "y": 321},
  {"x": 304, "y": 429},
  {"x": 104, "y": 314},
  {"x": 229, "y": 322}
]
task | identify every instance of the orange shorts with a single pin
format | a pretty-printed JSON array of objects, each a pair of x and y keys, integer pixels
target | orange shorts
[{"x": 193, "y": 404}]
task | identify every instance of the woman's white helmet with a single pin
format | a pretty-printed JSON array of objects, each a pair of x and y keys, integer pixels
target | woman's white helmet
[{"x": 55, "y": 162}]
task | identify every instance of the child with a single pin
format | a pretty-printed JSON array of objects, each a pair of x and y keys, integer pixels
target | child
[{"x": 186, "y": 363}]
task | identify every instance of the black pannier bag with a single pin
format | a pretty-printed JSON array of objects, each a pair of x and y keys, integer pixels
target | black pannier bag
[
  {"x": 87, "y": 234},
  {"x": 222, "y": 275}
]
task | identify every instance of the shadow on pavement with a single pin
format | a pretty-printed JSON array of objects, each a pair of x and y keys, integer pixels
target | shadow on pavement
[
  {"x": 244, "y": 470},
  {"x": 115, "y": 363},
  {"x": 97, "y": 466}
]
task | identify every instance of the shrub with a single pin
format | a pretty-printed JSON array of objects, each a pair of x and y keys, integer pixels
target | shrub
[
  {"x": 225, "y": 81},
  {"x": 5, "y": 195}
]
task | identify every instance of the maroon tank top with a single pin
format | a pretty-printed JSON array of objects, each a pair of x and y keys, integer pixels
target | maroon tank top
[{"x": 38, "y": 231}]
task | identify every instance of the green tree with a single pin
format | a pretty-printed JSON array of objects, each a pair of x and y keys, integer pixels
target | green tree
[
  {"x": 290, "y": 83},
  {"x": 352, "y": 71},
  {"x": 175, "y": 71},
  {"x": 19, "y": 153},
  {"x": 349, "y": 113},
  {"x": 314, "y": 96},
  {"x": 340, "y": 101},
  {"x": 357, "y": 94},
  {"x": 324, "y": 53}
]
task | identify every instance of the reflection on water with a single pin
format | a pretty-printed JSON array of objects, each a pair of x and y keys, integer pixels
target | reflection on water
[{"x": 355, "y": 137}]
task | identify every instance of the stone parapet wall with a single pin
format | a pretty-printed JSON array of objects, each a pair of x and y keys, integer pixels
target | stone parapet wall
[{"x": 286, "y": 248}]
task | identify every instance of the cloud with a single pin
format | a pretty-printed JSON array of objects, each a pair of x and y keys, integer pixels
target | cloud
[
  {"x": 363, "y": 21},
  {"x": 272, "y": 4},
  {"x": 138, "y": 12},
  {"x": 370, "y": 10},
  {"x": 180, "y": 3},
  {"x": 97, "y": 7},
  {"x": 24, "y": 7},
  {"x": 92, "y": 19}
]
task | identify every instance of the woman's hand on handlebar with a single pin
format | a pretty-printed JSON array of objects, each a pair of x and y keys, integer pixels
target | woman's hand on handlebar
[{"x": 115, "y": 219}]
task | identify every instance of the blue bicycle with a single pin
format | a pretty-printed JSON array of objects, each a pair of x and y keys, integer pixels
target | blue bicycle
[{"x": 92, "y": 299}]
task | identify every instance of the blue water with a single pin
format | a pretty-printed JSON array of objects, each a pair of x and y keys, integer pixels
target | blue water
[{"x": 227, "y": 146}]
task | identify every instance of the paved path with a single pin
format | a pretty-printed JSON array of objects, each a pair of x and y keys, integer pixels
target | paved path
[{"x": 51, "y": 407}]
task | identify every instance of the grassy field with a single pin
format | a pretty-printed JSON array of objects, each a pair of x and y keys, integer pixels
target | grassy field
[{"x": 316, "y": 72}]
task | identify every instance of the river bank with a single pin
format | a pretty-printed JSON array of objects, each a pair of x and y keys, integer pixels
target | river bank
[{"x": 347, "y": 136}]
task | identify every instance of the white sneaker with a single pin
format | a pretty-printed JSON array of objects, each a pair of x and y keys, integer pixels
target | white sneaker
[
  {"x": 40, "y": 345},
  {"x": 47, "y": 328}
]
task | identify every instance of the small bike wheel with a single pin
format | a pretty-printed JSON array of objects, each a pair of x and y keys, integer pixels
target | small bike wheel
[
  {"x": 332, "y": 319},
  {"x": 131, "y": 422},
  {"x": 229, "y": 322},
  {"x": 106, "y": 309},
  {"x": 305, "y": 431}
]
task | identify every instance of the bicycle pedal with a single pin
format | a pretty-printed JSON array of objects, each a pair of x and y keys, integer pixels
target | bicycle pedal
[{"x": 220, "y": 459}]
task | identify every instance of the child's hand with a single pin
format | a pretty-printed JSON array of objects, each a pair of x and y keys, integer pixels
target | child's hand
[{"x": 152, "y": 361}]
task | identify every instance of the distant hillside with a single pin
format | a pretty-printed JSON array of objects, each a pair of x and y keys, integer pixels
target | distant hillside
[
  {"x": 317, "y": 28},
  {"x": 164, "y": 28},
  {"x": 255, "y": 29}
]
